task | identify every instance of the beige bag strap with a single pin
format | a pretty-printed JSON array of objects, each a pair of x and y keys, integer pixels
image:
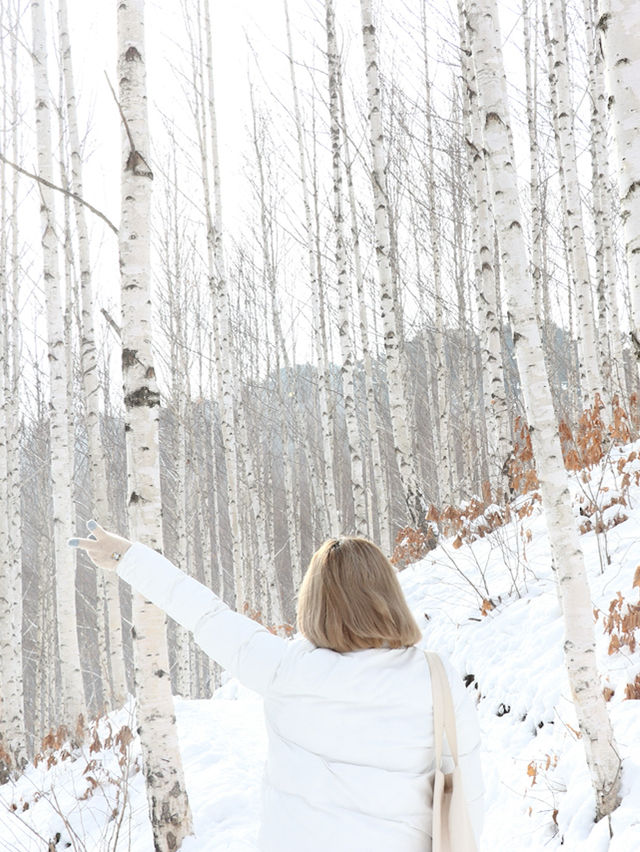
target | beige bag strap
[{"x": 443, "y": 714}]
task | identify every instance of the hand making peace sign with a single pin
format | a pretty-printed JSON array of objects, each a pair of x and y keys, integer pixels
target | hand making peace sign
[{"x": 105, "y": 549}]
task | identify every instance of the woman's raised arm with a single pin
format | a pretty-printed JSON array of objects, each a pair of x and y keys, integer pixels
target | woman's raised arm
[{"x": 245, "y": 648}]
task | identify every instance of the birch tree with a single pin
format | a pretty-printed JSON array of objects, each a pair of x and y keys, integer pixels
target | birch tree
[
  {"x": 265, "y": 564},
  {"x": 595, "y": 725},
  {"x": 166, "y": 793},
  {"x": 443, "y": 392},
  {"x": 395, "y": 366},
  {"x": 107, "y": 584},
  {"x": 590, "y": 373},
  {"x": 372, "y": 425},
  {"x": 356, "y": 472},
  {"x": 603, "y": 207},
  {"x": 495, "y": 402},
  {"x": 319, "y": 333},
  {"x": 12, "y": 717},
  {"x": 618, "y": 27},
  {"x": 72, "y": 686}
]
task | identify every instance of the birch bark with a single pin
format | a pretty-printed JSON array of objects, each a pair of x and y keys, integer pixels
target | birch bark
[
  {"x": 618, "y": 27},
  {"x": 356, "y": 472},
  {"x": 210, "y": 173},
  {"x": 12, "y": 723},
  {"x": 73, "y": 709},
  {"x": 166, "y": 793},
  {"x": 290, "y": 411},
  {"x": 395, "y": 366},
  {"x": 602, "y": 175},
  {"x": 601, "y": 223},
  {"x": 590, "y": 375},
  {"x": 372, "y": 425},
  {"x": 319, "y": 336},
  {"x": 230, "y": 394},
  {"x": 173, "y": 262},
  {"x": 117, "y": 687},
  {"x": 579, "y": 646},
  {"x": 444, "y": 463},
  {"x": 531, "y": 80},
  {"x": 495, "y": 400}
]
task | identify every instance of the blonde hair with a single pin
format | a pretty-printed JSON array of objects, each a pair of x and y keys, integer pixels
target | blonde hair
[{"x": 350, "y": 599}]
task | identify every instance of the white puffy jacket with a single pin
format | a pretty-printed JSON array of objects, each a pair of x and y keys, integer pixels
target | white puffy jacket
[{"x": 350, "y": 735}]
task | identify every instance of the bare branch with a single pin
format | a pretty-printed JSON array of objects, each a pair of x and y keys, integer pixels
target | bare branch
[{"x": 61, "y": 189}]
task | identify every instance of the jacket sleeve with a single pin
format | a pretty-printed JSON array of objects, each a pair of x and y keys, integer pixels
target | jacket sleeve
[
  {"x": 468, "y": 734},
  {"x": 245, "y": 648}
]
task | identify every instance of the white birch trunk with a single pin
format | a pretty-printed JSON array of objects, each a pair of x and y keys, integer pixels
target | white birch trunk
[
  {"x": 166, "y": 793},
  {"x": 395, "y": 367},
  {"x": 443, "y": 452},
  {"x": 618, "y": 26},
  {"x": 117, "y": 687},
  {"x": 579, "y": 645},
  {"x": 12, "y": 722},
  {"x": 12, "y": 740},
  {"x": 602, "y": 224},
  {"x": 73, "y": 710},
  {"x": 230, "y": 394},
  {"x": 322, "y": 343},
  {"x": 599, "y": 124},
  {"x": 319, "y": 336},
  {"x": 356, "y": 472},
  {"x": 495, "y": 400},
  {"x": 590, "y": 374},
  {"x": 285, "y": 412},
  {"x": 372, "y": 425},
  {"x": 531, "y": 81},
  {"x": 203, "y": 83}
]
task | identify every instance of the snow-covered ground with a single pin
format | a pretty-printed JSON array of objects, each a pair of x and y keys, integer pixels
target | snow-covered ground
[{"x": 538, "y": 790}]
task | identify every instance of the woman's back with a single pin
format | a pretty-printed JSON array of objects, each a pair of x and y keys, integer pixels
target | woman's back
[
  {"x": 350, "y": 754},
  {"x": 351, "y": 750}
]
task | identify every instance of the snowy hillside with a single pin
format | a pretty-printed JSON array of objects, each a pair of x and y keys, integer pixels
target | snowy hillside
[{"x": 538, "y": 791}]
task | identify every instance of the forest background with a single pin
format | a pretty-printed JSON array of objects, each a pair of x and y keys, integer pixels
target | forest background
[{"x": 358, "y": 225}]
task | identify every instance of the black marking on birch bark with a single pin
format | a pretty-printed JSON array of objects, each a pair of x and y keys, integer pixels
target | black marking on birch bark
[
  {"x": 135, "y": 163},
  {"x": 603, "y": 22},
  {"x": 159, "y": 673},
  {"x": 632, "y": 188},
  {"x": 150, "y": 373},
  {"x": 134, "y": 634},
  {"x": 176, "y": 790},
  {"x": 624, "y": 61},
  {"x": 129, "y": 358},
  {"x": 141, "y": 398},
  {"x": 136, "y": 498},
  {"x": 636, "y": 344},
  {"x": 133, "y": 54}
]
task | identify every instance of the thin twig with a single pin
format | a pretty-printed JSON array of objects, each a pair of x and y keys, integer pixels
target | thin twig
[
  {"x": 57, "y": 188},
  {"x": 124, "y": 120}
]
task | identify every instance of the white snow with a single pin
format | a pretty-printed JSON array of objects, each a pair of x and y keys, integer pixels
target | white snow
[{"x": 538, "y": 790}]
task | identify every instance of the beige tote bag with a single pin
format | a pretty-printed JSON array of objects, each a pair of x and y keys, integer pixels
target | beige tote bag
[{"x": 452, "y": 830}]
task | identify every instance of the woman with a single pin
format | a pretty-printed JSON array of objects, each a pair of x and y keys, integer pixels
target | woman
[{"x": 348, "y": 704}]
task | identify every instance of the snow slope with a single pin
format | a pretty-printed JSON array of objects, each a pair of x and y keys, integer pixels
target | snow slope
[{"x": 538, "y": 790}]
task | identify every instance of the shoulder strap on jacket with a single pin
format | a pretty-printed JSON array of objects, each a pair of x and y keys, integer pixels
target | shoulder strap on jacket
[{"x": 443, "y": 712}]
